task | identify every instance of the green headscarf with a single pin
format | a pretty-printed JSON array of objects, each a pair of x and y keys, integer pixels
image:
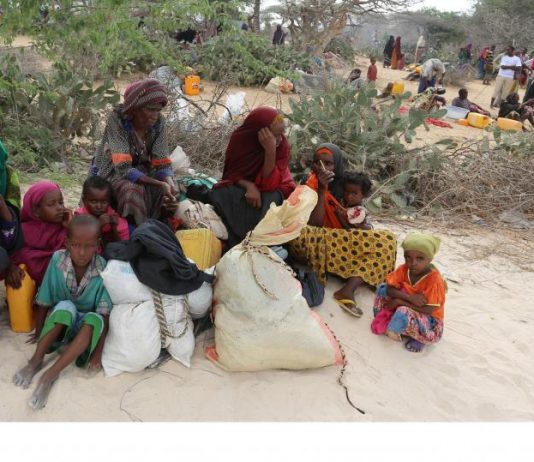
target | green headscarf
[
  {"x": 427, "y": 244},
  {"x": 3, "y": 169}
]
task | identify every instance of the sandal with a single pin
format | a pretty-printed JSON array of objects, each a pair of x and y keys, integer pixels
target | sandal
[{"x": 350, "y": 307}]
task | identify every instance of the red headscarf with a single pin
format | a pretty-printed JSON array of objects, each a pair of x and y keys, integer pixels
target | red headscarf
[
  {"x": 245, "y": 155},
  {"x": 41, "y": 239}
]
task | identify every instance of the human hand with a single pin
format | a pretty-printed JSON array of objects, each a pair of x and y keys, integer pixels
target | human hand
[
  {"x": 253, "y": 196},
  {"x": 267, "y": 139},
  {"x": 391, "y": 303},
  {"x": 14, "y": 276},
  {"x": 106, "y": 219},
  {"x": 325, "y": 177},
  {"x": 418, "y": 300},
  {"x": 67, "y": 217},
  {"x": 168, "y": 190},
  {"x": 170, "y": 205}
]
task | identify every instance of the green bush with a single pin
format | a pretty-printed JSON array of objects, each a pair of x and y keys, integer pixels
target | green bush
[
  {"x": 247, "y": 58},
  {"x": 341, "y": 47},
  {"x": 40, "y": 115},
  {"x": 372, "y": 139}
]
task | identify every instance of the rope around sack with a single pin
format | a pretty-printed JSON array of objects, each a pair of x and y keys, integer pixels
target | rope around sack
[
  {"x": 250, "y": 249},
  {"x": 162, "y": 319}
]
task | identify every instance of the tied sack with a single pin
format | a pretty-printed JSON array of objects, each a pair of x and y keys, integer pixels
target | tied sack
[
  {"x": 261, "y": 319},
  {"x": 196, "y": 214},
  {"x": 122, "y": 284}
]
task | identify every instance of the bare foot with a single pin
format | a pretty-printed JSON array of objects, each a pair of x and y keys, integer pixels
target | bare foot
[
  {"x": 414, "y": 346},
  {"x": 39, "y": 397},
  {"x": 24, "y": 377}
]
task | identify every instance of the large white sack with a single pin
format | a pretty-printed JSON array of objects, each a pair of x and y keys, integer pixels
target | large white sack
[
  {"x": 199, "y": 301},
  {"x": 262, "y": 321},
  {"x": 181, "y": 342},
  {"x": 234, "y": 104},
  {"x": 133, "y": 341},
  {"x": 122, "y": 283}
]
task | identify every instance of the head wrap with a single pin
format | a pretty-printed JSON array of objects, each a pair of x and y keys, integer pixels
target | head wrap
[
  {"x": 142, "y": 93},
  {"x": 336, "y": 186},
  {"x": 427, "y": 244},
  {"x": 41, "y": 239}
]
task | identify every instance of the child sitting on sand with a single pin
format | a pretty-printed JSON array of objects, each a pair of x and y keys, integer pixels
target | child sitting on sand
[
  {"x": 96, "y": 198},
  {"x": 79, "y": 319},
  {"x": 411, "y": 303},
  {"x": 356, "y": 187}
]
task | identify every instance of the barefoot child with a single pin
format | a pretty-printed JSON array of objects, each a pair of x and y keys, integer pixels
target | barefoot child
[
  {"x": 356, "y": 187},
  {"x": 96, "y": 198},
  {"x": 411, "y": 303},
  {"x": 79, "y": 319},
  {"x": 372, "y": 71}
]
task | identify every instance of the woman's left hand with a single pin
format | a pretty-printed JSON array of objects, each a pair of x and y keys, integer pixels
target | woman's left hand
[{"x": 267, "y": 139}]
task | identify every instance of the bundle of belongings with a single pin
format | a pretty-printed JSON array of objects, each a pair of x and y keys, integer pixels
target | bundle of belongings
[
  {"x": 262, "y": 321},
  {"x": 156, "y": 292}
]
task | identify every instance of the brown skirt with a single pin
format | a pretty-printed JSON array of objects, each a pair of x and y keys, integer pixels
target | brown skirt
[
  {"x": 140, "y": 201},
  {"x": 346, "y": 253}
]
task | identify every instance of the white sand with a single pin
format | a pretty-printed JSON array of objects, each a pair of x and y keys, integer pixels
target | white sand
[{"x": 481, "y": 370}]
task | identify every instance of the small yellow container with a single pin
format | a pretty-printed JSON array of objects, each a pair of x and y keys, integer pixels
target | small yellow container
[
  {"x": 20, "y": 304},
  {"x": 398, "y": 88},
  {"x": 192, "y": 85},
  {"x": 463, "y": 122},
  {"x": 201, "y": 246},
  {"x": 509, "y": 124},
  {"x": 478, "y": 120}
]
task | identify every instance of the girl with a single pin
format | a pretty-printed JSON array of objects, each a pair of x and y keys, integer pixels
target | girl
[
  {"x": 44, "y": 220},
  {"x": 411, "y": 303},
  {"x": 96, "y": 198},
  {"x": 352, "y": 214}
]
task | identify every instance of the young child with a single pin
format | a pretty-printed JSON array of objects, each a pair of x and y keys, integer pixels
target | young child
[
  {"x": 356, "y": 187},
  {"x": 79, "y": 319},
  {"x": 411, "y": 303},
  {"x": 96, "y": 198},
  {"x": 372, "y": 71},
  {"x": 488, "y": 68}
]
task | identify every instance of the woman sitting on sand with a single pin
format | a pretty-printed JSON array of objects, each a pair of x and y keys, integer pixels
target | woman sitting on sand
[
  {"x": 256, "y": 173},
  {"x": 411, "y": 303},
  {"x": 356, "y": 255},
  {"x": 134, "y": 157}
]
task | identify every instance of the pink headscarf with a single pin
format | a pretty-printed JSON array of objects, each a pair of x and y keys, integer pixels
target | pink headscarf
[{"x": 41, "y": 239}]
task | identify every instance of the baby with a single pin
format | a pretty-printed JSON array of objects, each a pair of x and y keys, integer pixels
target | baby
[
  {"x": 356, "y": 187},
  {"x": 81, "y": 305}
]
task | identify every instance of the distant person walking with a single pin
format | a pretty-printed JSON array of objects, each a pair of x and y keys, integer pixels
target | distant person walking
[
  {"x": 396, "y": 57},
  {"x": 432, "y": 72},
  {"x": 372, "y": 71},
  {"x": 388, "y": 51},
  {"x": 279, "y": 35},
  {"x": 420, "y": 48},
  {"x": 510, "y": 64}
]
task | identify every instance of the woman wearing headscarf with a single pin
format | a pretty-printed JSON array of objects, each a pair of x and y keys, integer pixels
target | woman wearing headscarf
[
  {"x": 256, "y": 173},
  {"x": 134, "y": 156},
  {"x": 10, "y": 233},
  {"x": 388, "y": 51},
  {"x": 396, "y": 57},
  {"x": 357, "y": 256}
]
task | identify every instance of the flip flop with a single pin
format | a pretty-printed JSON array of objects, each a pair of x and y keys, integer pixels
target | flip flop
[{"x": 350, "y": 307}]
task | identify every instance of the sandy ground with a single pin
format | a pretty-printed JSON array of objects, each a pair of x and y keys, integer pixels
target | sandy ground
[{"x": 482, "y": 370}]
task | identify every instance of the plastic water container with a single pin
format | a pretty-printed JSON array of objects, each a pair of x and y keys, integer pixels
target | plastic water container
[
  {"x": 20, "y": 304},
  {"x": 509, "y": 124},
  {"x": 398, "y": 88},
  {"x": 455, "y": 112},
  {"x": 201, "y": 246},
  {"x": 463, "y": 122},
  {"x": 478, "y": 120},
  {"x": 192, "y": 85}
]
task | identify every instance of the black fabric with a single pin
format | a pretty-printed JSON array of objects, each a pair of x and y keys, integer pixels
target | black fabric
[
  {"x": 199, "y": 192},
  {"x": 239, "y": 217},
  {"x": 529, "y": 94},
  {"x": 158, "y": 260},
  {"x": 312, "y": 289}
]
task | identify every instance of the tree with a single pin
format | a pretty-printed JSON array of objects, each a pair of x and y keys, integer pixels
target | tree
[{"x": 316, "y": 22}]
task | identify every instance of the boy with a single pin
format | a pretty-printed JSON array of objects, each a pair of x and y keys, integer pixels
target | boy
[
  {"x": 372, "y": 71},
  {"x": 79, "y": 319},
  {"x": 356, "y": 187}
]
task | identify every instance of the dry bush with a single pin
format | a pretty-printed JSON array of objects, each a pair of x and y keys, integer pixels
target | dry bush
[{"x": 487, "y": 182}]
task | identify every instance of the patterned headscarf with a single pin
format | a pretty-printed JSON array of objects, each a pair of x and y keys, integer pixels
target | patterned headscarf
[{"x": 142, "y": 93}]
